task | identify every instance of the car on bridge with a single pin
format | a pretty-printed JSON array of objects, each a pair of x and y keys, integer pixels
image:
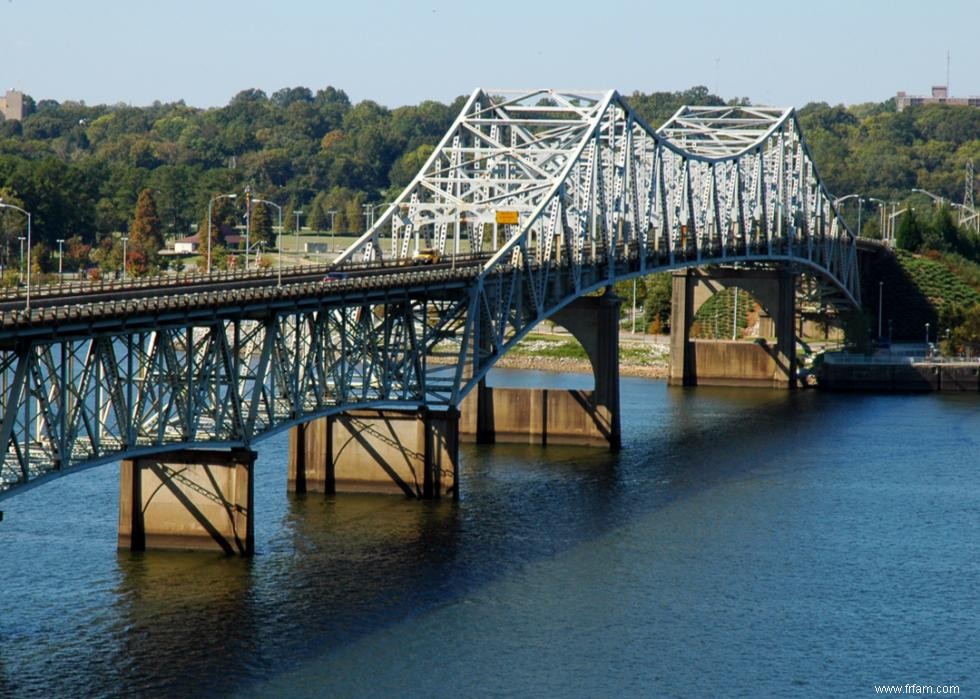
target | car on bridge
[
  {"x": 426, "y": 256},
  {"x": 335, "y": 277}
]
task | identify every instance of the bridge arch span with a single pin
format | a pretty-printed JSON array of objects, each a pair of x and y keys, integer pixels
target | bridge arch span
[{"x": 533, "y": 199}]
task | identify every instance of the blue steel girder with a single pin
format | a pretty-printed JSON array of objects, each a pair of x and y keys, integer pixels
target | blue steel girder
[{"x": 533, "y": 198}]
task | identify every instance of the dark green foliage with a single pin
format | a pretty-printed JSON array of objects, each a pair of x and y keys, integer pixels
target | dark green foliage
[
  {"x": 260, "y": 226},
  {"x": 909, "y": 235},
  {"x": 79, "y": 169},
  {"x": 656, "y": 302},
  {"x": 720, "y": 318}
]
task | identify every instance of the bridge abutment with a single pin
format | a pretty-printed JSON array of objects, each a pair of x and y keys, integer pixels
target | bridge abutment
[
  {"x": 558, "y": 416},
  {"x": 190, "y": 499},
  {"x": 733, "y": 363},
  {"x": 412, "y": 453}
]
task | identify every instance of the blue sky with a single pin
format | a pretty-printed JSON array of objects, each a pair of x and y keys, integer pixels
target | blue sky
[{"x": 205, "y": 51}]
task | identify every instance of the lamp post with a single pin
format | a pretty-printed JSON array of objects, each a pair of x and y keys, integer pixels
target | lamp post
[
  {"x": 61, "y": 277},
  {"x": 27, "y": 305},
  {"x": 927, "y": 339},
  {"x": 841, "y": 200},
  {"x": 210, "y": 203},
  {"x": 881, "y": 215},
  {"x": 296, "y": 232},
  {"x": 248, "y": 221},
  {"x": 279, "y": 245},
  {"x": 633, "y": 310},
  {"x": 20, "y": 266},
  {"x": 332, "y": 214},
  {"x": 124, "y": 241},
  {"x": 936, "y": 198},
  {"x": 891, "y": 219}
]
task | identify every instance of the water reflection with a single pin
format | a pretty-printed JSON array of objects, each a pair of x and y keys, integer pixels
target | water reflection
[
  {"x": 186, "y": 620},
  {"x": 708, "y": 523}
]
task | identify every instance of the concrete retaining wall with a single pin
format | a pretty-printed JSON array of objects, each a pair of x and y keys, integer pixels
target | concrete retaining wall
[
  {"x": 191, "y": 499},
  {"x": 734, "y": 363},
  {"x": 535, "y": 416},
  {"x": 413, "y": 453},
  {"x": 920, "y": 377}
]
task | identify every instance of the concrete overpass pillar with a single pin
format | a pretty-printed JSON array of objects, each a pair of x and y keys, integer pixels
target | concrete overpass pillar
[
  {"x": 784, "y": 316},
  {"x": 190, "y": 499},
  {"x": 542, "y": 416},
  {"x": 683, "y": 370},
  {"x": 412, "y": 453},
  {"x": 734, "y": 363}
]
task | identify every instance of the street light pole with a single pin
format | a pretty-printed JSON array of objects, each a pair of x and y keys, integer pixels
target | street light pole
[
  {"x": 935, "y": 197},
  {"x": 61, "y": 277},
  {"x": 296, "y": 232},
  {"x": 214, "y": 199},
  {"x": 279, "y": 245},
  {"x": 27, "y": 305},
  {"x": 840, "y": 200},
  {"x": 248, "y": 221},
  {"x": 881, "y": 216},
  {"x": 20, "y": 266},
  {"x": 332, "y": 214},
  {"x": 124, "y": 240},
  {"x": 632, "y": 310},
  {"x": 927, "y": 339}
]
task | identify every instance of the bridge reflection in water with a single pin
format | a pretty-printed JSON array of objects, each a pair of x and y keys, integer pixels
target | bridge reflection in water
[{"x": 534, "y": 200}]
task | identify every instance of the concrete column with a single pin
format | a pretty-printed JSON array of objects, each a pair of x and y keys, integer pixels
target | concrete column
[
  {"x": 486, "y": 432},
  {"x": 538, "y": 416},
  {"x": 190, "y": 499},
  {"x": 785, "y": 318},
  {"x": 594, "y": 322},
  {"x": 734, "y": 363},
  {"x": 307, "y": 462},
  {"x": 683, "y": 371},
  {"x": 414, "y": 453}
]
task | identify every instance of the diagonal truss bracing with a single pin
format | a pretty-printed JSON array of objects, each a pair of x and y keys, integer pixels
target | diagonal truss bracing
[{"x": 533, "y": 198}]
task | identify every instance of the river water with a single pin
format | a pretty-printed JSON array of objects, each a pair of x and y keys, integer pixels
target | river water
[{"x": 743, "y": 543}]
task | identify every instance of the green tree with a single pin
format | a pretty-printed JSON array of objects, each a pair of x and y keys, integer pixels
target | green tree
[
  {"x": 260, "y": 225},
  {"x": 910, "y": 234},
  {"x": 316, "y": 217},
  {"x": 289, "y": 217},
  {"x": 965, "y": 337},
  {"x": 77, "y": 254},
  {"x": 657, "y": 302},
  {"x": 145, "y": 232}
]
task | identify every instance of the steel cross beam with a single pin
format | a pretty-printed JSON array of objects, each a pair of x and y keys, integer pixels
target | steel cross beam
[{"x": 533, "y": 198}]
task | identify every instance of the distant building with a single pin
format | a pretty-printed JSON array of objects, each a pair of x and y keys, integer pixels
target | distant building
[
  {"x": 12, "y": 105},
  {"x": 940, "y": 95}
]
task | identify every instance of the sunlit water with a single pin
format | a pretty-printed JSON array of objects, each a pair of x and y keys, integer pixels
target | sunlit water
[{"x": 743, "y": 543}]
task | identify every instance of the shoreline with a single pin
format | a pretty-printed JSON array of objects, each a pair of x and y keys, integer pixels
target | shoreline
[{"x": 578, "y": 366}]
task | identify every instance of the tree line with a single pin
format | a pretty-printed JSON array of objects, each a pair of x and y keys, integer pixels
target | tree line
[{"x": 82, "y": 170}]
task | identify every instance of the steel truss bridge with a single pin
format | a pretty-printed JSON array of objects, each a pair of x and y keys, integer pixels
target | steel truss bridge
[{"x": 534, "y": 198}]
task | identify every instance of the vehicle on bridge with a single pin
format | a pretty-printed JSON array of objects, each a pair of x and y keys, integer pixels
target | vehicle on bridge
[{"x": 426, "y": 256}]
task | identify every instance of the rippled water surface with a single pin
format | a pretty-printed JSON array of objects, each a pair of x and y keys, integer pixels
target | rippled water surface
[{"x": 743, "y": 543}]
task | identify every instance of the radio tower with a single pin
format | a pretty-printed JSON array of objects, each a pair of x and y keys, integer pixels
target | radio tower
[
  {"x": 968, "y": 194},
  {"x": 968, "y": 213}
]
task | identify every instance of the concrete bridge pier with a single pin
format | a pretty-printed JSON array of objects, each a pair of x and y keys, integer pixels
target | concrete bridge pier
[
  {"x": 406, "y": 452},
  {"x": 190, "y": 499},
  {"x": 558, "y": 416},
  {"x": 734, "y": 363}
]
